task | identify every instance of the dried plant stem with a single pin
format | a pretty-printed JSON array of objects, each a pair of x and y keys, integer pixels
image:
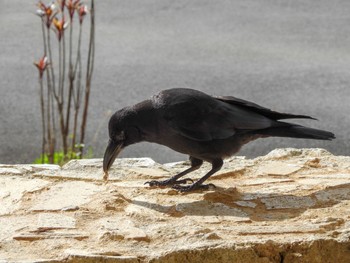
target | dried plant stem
[
  {"x": 60, "y": 101},
  {"x": 50, "y": 142},
  {"x": 71, "y": 77},
  {"x": 76, "y": 95},
  {"x": 52, "y": 94},
  {"x": 89, "y": 71},
  {"x": 50, "y": 59},
  {"x": 42, "y": 107},
  {"x": 64, "y": 128}
]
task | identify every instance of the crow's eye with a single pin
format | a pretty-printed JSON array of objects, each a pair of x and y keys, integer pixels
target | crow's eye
[{"x": 120, "y": 136}]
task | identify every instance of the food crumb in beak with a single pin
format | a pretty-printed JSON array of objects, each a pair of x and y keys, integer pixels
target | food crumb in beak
[{"x": 105, "y": 176}]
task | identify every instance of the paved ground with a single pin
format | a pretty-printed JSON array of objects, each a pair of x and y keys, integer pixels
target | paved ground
[{"x": 291, "y": 56}]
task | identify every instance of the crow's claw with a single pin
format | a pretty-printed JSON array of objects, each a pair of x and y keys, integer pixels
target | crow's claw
[
  {"x": 156, "y": 183},
  {"x": 184, "y": 181},
  {"x": 168, "y": 182},
  {"x": 193, "y": 187}
]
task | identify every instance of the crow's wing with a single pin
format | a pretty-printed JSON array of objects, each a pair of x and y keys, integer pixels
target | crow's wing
[
  {"x": 261, "y": 110},
  {"x": 201, "y": 117}
]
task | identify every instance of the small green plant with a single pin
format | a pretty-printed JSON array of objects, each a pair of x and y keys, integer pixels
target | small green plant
[
  {"x": 64, "y": 91},
  {"x": 60, "y": 157}
]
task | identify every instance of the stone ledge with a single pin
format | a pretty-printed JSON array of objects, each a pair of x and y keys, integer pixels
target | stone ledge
[{"x": 292, "y": 205}]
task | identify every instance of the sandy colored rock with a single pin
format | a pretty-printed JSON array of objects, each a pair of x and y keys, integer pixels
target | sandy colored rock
[
  {"x": 246, "y": 204},
  {"x": 13, "y": 191},
  {"x": 278, "y": 168},
  {"x": 48, "y": 235},
  {"x": 87, "y": 257},
  {"x": 288, "y": 202},
  {"x": 292, "y": 205},
  {"x": 49, "y": 221},
  {"x": 9, "y": 171},
  {"x": 23, "y": 169},
  {"x": 91, "y": 170},
  {"x": 66, "y": 194},
  {"x": 116, "y": 228}
]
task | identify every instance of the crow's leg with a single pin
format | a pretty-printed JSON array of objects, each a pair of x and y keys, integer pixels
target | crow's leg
[
  {"x": 216, "y": 166},
  {"x": 195, "y": 164}
]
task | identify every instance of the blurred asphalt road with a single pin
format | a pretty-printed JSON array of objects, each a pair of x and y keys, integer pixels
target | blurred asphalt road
[{"x": 291, "y": 56}]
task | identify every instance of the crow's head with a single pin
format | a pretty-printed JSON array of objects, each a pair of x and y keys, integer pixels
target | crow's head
[{"x": 123, "y": 131}]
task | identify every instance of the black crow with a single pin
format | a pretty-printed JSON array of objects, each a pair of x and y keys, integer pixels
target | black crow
[{"x": 204, "y": 127}]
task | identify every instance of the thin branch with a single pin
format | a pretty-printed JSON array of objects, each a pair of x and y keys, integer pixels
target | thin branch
[
  {"x": 51, "y": 61},
  {"x": 42, "y": 106},
  {"x": 70, "y": 78},
  {"x": 76, "y": 95},
  {"x": 90, "y": 64}
]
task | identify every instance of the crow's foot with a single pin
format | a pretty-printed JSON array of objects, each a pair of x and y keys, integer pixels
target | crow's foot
[
  {"x": 168, "y": 182},
  {"x": 193, "y": 187}
]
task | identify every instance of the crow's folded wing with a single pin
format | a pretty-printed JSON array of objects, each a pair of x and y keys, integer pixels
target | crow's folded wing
[
  {"x": 207, "y": 118},
  {"x": 261, "y": 110}
]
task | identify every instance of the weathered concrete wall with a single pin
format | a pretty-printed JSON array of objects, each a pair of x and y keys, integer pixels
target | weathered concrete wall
[{"x": 288, "y": 206}]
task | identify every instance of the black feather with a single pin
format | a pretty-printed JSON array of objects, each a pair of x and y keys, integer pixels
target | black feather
[{"x": 261, "y": 110}]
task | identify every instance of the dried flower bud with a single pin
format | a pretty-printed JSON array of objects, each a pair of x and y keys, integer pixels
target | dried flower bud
[
  {"x": 47, "y": 12},
  {"x": 82, "y": 11},
  {"x": 60, "y": 26},
  {"x": 42, "y": 65},
  {"x": 72, "y": 6}
]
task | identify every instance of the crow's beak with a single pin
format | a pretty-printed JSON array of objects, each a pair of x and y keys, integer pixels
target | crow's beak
[{"x": 112, "y": 151}]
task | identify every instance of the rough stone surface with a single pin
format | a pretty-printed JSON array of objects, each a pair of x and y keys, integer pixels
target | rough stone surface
[
  {"x": 292, "y": 205},
  {"x": 65, "y": 195}
]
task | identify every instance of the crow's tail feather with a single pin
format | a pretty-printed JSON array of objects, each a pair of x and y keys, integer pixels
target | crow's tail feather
[{"x": 296, "y": 131}]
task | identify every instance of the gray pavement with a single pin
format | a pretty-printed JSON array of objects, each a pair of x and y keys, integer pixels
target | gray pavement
[{"x": 292, "y": 56}]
